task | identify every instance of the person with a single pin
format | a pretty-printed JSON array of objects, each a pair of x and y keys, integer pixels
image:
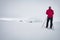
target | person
[{"x": 49, "y": 14}]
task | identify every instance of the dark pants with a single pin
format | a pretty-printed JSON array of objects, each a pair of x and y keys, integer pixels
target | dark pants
[{"x": 51, "y": 22}]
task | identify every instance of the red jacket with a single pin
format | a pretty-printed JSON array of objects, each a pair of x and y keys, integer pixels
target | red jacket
[{"x": 50, "y": 13}]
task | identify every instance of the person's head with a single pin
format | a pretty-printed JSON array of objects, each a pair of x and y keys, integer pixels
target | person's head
[{"x": 49, "y": 7}]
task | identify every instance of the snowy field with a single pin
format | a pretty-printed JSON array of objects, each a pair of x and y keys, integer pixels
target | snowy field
[
  {"x": 26, "y": 20},
  {"x": 26, "y": 30}
]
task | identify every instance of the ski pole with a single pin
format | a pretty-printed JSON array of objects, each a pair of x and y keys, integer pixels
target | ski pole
[{"x": 44, "y": 22}]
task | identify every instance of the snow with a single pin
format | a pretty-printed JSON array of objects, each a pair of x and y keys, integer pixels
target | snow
[{"x": 15, "y": 30}]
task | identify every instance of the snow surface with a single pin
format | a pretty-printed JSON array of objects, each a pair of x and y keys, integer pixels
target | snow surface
[{"x": 15, "y": 30}]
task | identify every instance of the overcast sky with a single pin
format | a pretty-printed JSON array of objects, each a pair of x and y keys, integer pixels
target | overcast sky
[{"x": 28, "y": 8}]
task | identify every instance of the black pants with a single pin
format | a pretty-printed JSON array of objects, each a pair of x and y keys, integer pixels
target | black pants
[{"x": 51, "y": 22}]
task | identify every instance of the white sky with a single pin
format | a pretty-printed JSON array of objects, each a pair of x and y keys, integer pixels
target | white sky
[{"x": 28, "y": 8}]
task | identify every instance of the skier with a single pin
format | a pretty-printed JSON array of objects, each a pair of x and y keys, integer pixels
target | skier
[{"x": 49, "y": 14}]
